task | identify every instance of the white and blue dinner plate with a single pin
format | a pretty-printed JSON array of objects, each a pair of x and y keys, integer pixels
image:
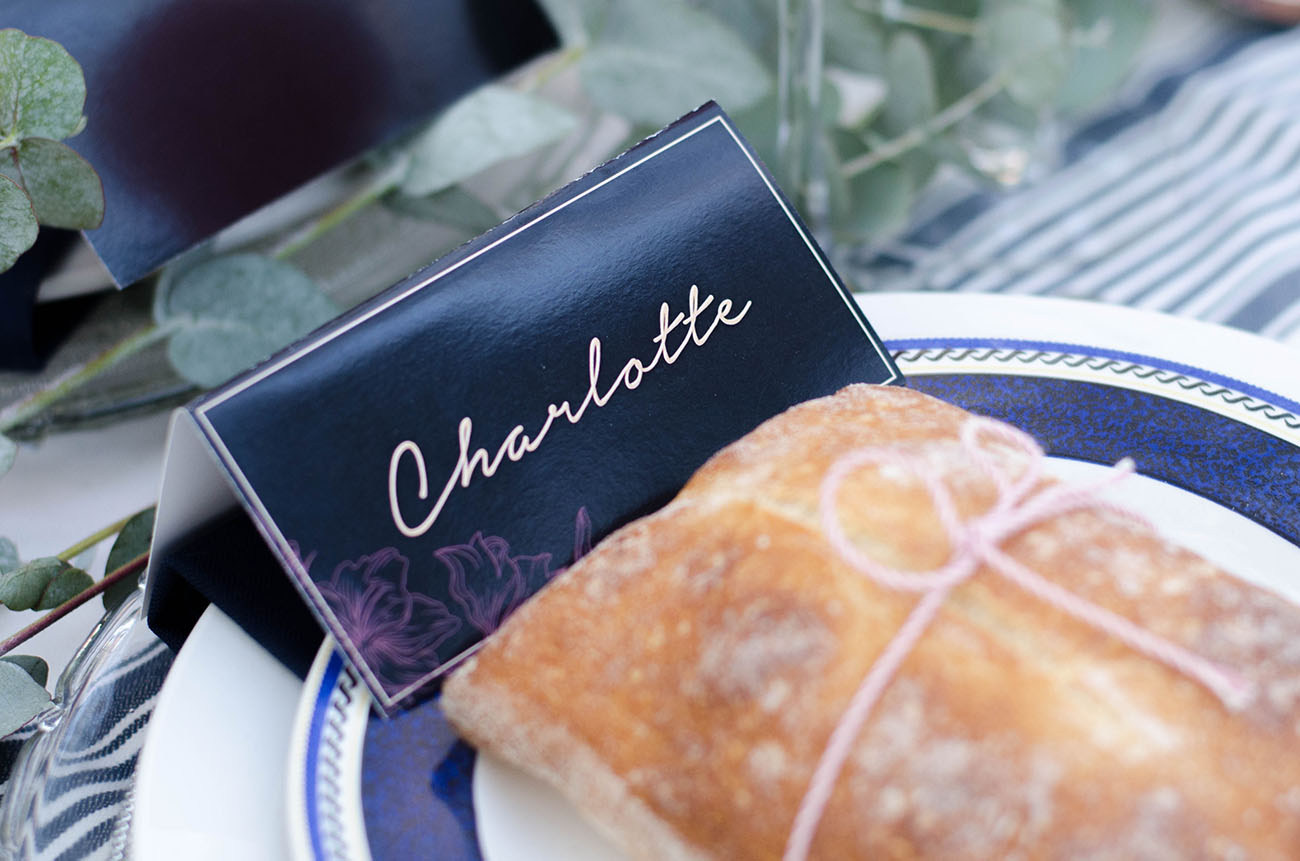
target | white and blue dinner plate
[{"x": 1211, "y": 415}]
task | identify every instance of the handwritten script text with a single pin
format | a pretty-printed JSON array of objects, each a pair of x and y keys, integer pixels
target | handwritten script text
[{"x": 687, "y": 325}]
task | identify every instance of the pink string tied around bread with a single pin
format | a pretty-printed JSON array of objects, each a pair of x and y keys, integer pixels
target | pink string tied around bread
[{"x": 1022, "y": 502}]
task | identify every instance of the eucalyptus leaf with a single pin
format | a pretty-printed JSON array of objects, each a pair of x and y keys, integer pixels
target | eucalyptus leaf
[
  {"x": 911, "y": 101},
  {"x": 31, "y": 665},
  {"x": 21, "y": 699},
  {"x": 754, "y": 21},
  {"x": 8, "y": 452},
  {"x": 855, "y": 37},
  {"x": 961, "y": 67},
  {"x": 1029, "y": 39},
  {"x": 859, "y": 97},
  {"x": 18, "y": 225},
  {"x": 652, "y": 62},
  {"x": 453, "y": 206},
  {"x": 954, "y": 8},
  {"x": 8, "y": 556},
  {"x": 68, "y": 583},
  {"x": 909, "y": 74},
  {"x": 42, "y": 89},
  {"x": 9, "y": 166},
  {"x": 880, "y": 200},
  {"x": 489, "y": 126},
  {"x": 1106, "y": 36},
  {"x": 234, "y": 311},
  {"x": 133, "y": 540},
  {"x": 65, "y": 190},
  {"x": 575, "y": 20},
  {"x": 23, "y": 587},
  {"x": 758, "y": 123}
]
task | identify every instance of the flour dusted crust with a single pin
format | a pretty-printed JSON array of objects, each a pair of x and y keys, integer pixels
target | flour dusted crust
[{"x": 680, "y": 682}]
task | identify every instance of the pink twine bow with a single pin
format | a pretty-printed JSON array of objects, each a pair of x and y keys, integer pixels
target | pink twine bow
[{"x": 975, "y": 542}]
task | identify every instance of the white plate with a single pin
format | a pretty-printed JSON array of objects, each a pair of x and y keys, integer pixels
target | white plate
[
  {"x": 209, "y": 784},
  {"x": 1204, "y": 409}
]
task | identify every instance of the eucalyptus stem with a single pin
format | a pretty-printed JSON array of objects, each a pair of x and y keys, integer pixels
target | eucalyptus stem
[
  {"x": 918, "y": 135},
  {"x": 553, "y": 67},
  {"x": 383, "y": 182},
  {"x": 91, "y": 540},
  {"x": 78, "y": 376},
  {"x": 926, "y": 19},
  {"x": 108, "y": 580}
]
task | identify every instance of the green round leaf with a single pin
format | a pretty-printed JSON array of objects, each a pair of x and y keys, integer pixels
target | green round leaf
[
  {"x": 23, "y": 587},
  {"x": 1028, "y": 39},
  {"x": 1106, "y": 37},
  {"x": 8, "y": 556},
  {"x": 652, "y": 62},
  {"x": 858, "y": 97},
  {"x": 42, "y": 89},
  {"x": 21, "y": 699},
  {"x": 855, "y": 37},
  {"x": 31, "y": 665},
  {"x": 18, "y": 226},
  {"x": 880, "y": 200},
  {"x": 758, "y": 123},
  {"x": 67, "y": 584},
  {"x": 8, "y": 452},
  {"x": 754, "y": 21},
  {"x": 911, "y": 101},
  {"x": 235, "y": 311},
  {"x": 64, "y": 188},
  {"x": 574, "y": 20},
  {"x": 909, "y": 73},
  {"x": 485, "y": 128},
  {"x": 133, "y": 540}
]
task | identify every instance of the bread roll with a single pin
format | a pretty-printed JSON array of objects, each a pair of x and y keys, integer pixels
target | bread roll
[{"x": 679, "y": 684}]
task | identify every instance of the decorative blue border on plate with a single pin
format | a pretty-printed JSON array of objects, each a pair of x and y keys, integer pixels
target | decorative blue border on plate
[
  {"x": 1098, "y": 352},
  {"x": 324, "y": 694}
]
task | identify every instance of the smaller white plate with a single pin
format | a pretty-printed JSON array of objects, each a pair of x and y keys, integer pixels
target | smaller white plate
[{"x": 210, "y": 782}]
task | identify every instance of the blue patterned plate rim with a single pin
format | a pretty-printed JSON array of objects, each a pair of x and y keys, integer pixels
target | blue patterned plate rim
[{"x": 1098, "y": 352}]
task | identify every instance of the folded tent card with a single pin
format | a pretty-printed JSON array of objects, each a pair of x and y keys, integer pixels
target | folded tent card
[{"x": 423, "y": 464}]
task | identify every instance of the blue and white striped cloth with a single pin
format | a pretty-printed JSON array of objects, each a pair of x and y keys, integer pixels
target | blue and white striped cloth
[
  {"x": 1190, "y": 205},
  {"x": 1186, "y": 201},
  {"x": 81, "y": 805}
]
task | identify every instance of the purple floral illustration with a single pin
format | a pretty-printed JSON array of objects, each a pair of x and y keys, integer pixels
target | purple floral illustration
[
  {"x": 396, "y": 631},
  {"x": 487, "y": 581},
  {"x": 304, "y": 561},
  {"x": 581, "y": 534}
]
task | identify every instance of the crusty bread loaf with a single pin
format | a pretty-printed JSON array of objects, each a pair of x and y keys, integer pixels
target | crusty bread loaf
[{"x": 680, "y": 682}]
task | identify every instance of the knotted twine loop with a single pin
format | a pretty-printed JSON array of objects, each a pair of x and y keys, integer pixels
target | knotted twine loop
[{"x": 1020, "y": 504}]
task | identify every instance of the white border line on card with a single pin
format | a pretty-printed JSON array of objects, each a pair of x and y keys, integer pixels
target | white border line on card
[{"x": 269, "y": 524}]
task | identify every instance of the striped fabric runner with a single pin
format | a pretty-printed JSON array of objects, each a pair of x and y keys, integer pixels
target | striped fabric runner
[
  {"x": 82, "y": 809},
  {"x": 1191, "y": 208}
]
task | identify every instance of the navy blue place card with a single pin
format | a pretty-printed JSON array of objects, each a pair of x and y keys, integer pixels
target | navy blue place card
[{"x": 426, "y": 462}]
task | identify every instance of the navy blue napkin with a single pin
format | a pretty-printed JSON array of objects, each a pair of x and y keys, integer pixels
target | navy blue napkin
[
  {"x": 202, "y": 111},
  {"x": 29, "y": 332}
]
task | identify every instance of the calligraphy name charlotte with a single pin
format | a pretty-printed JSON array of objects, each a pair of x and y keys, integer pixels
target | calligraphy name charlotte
[{"x": 688, "y": 327}]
